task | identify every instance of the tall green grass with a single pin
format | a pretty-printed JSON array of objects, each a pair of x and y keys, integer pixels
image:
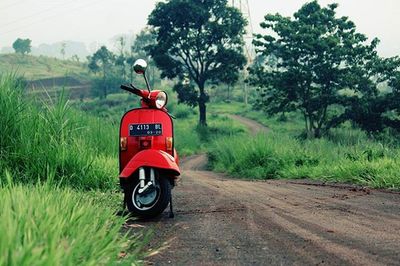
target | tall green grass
[
  {"x": 47, "y": 225},
  {"x": 58, "y": 168},
  {"x": 54, "y": 141},
  {"x": 278, "y": 155},
  {"x": 347, "y": 154}
]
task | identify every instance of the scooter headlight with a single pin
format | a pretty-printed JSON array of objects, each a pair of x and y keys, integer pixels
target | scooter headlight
[{"x": 161, "y": 99}]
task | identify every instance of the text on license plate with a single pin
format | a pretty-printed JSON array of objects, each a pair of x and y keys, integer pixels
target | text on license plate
[{"x": 145, "y": 129}]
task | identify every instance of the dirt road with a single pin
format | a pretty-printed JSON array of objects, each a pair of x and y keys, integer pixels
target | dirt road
[
  {"x": 252, "y": 126},
  {"x": 220, "y": 221}
]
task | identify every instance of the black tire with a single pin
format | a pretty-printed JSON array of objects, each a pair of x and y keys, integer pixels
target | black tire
[{"x": 156, "y": 208}]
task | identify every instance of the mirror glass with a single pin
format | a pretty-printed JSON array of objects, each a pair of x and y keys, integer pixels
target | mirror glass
[{"x": 140, "y": 66}]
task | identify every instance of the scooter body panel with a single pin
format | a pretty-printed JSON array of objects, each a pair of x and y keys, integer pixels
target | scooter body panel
[
  {"x": 151, "y": 158},
  {"x": 159, "y": 152}
]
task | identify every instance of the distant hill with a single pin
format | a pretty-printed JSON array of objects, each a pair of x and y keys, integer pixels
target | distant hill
[
  {"x": 42, "y": 67},
  {"x": 48, "y": 76}
]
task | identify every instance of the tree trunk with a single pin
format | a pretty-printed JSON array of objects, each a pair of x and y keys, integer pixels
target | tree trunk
[
  {"x": 104, "y": 82},
  {"x": 317, "y": 133},
  {"x": 202, "y": 107}
]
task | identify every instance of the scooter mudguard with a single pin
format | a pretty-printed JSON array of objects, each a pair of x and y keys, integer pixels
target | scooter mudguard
[{"x": 151, "y": 158}]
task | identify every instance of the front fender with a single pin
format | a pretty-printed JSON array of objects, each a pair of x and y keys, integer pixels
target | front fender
[{"x": 151, "y": 158}]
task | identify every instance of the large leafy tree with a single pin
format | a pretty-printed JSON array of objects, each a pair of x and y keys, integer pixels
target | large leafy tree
[
  {"x": 375, "y": 103},
  {"x": 22, "y": 46},
  {"x": 199, "y": 39},
  {"x": 316, "y": 55}
]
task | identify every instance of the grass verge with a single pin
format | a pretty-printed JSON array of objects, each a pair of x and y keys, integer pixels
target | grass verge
[
  {"x": 346, "y": 155},
  {"x": 58, "y": 168},
  {"x": 54, "y": 142},
  {"x": 46, "y": 225}
]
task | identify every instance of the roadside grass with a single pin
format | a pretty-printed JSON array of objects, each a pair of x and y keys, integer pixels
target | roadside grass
[
  {"x": 190, "y": 138},
  {"x": 44, "y": 224},
  {"x": 345, "y": 155},
  {"x": 58, "y": 169},
  {"x": 54, "y": 141}
]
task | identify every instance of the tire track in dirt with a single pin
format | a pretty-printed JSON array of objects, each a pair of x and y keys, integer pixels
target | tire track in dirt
[{"x": 221, "y": 221}]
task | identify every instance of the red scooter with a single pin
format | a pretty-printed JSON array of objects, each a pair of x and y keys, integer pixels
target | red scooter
[{"x": 147, "y": 157}]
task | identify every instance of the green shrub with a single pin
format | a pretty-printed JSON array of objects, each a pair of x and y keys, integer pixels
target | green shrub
[{"x": 183, "y": 111}]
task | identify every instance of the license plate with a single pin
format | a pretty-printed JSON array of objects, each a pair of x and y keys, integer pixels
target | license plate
[{"x": 138, "y": 130}]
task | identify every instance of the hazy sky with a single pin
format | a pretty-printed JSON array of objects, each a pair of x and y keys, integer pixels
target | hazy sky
[{"x": 49, "y": 21}]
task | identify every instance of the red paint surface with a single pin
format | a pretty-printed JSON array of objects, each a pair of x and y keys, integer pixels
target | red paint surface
[{"x": 135, "y": 157}]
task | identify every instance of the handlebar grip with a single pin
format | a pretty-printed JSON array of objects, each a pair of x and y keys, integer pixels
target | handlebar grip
[{"x": 129, "y": 88}]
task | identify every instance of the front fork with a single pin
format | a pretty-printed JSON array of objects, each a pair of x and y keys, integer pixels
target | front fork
[
  {"x": 142, "y": 180},
  {"x": 143, "y": 187}
]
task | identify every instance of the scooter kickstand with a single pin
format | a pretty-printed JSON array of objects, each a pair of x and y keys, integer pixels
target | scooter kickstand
[{"x": 171, "y": 211}]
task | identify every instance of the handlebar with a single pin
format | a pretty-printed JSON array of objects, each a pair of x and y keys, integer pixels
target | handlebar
[{"x": 131, "y": 88}]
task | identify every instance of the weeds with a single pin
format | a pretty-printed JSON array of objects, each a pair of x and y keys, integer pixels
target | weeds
[
  {"x": 57, "y": 167},
  {"x": 276, "y": 155},
  {"x": 53, "y": 141},
  {"x": 345, "y": 155},
  {"x": 43, "y": 224}
]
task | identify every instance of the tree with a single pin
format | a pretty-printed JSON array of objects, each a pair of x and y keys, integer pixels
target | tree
[
  {"x": 120, "y": 63},
  {"x": 201, "y": 39},
  {"x": 121, "y": 59},
  {"x": 139, "y": 49},
  {"x": 62, "y": 50},
  {"x": 370, "y": 107},
  {"x": 315, "y": 56},
  {"x": 102, "y": 61},
  {"x": 22, "y": 46},
  {"x": 75, "y": 58}
]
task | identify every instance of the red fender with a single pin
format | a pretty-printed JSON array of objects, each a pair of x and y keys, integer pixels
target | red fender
[{"x": 151, "y": 158}]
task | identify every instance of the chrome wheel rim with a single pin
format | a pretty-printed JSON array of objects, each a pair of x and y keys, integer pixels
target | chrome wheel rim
[{"x": 145, "y": 201}]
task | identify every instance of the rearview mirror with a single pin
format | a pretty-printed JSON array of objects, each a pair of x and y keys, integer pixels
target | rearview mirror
[{"x": 140, "y": 66}]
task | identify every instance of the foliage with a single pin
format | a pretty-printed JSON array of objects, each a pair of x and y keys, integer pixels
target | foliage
[
  {"x": 53, "y": 142},
  {"x": 201, "y": 40},
  {"x": 143, "y": 40},
  {"x": 22, "y": 46},
  {"x": 62, "y": 50},
  {"x": 139, "y": 49},
  {"x": 370, "y": 108},
  {"x": 310, "y": 59},
  {"x": 111, "y": 82},
  {"x": 47, "y": 225},
  {"x": 102, "y": 61},
  {"x": 113, "y": 68}
]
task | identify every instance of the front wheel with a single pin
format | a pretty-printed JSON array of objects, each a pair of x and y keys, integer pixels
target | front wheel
[{"x": 150, "y": 203}]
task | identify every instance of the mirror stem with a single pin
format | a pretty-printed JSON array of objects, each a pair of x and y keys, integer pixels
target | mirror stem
[{"x": 147, "y": 82}]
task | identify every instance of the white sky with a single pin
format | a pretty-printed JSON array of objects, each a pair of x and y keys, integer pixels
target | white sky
[{"x": 49, "y": 21}]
